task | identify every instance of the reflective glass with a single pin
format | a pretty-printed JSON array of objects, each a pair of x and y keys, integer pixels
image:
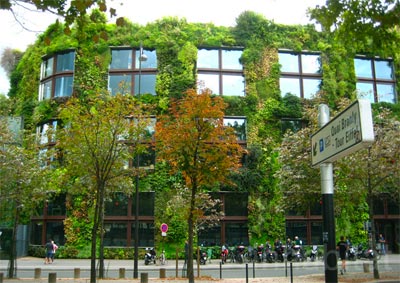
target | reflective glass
[
  {"x": 115, "y": 234},
  {"x": 149, "y": 63},
  {"x": 119, "y": 84},
  {"x": 47, "y": 68},
  {"x": 233, "y": 85},
  {"x": 46, "y": 90},
  {"x": 239, "y": 124},
  {"x": 311, "y": 88},
  {"x": 146, "y": 204},
  {"x": 65, "y": 62},
  {"x": 210, "y": 81},
  {"x": 63, "y": 86},
  {"x": 289, "y": 85},
  {"x": 237, "y": 234},
  {"x": 230, "y": 59},
  {"x": 235, "y": 204},
  {"x": 146, "y": 234},
  {"x": 289, "y": 62},
  {"x": 55, "y": 231},
  {"x": 117, "y": 205},
  {"x": 121, "y": 59},
  {"x": 365, "y": 91},
  {"x": 147, "y": 84},
  {"x": 211, "y": 236},
  {"x": 363, "y": 68},
  {"x": 207, "y": 59},
  {"x": 47, "y": 132},
  {"x": 386, "y": 93},
  {"x": 383, "y": 70},
  {"x": 311, "y": 64}
]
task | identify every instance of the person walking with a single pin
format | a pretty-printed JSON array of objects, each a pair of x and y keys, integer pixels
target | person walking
[
  {"x": 49, "y": 251},
  {"x": 342, "y": 248},
  {"x": 55, "y": 247},
  {"x": 382, "y": 242}
]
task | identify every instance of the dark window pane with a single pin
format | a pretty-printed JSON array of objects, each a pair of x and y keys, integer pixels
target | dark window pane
[
  {"x": 298, "y": 228},
  {"x": 146, "y": 234},
  {"x": 55, "y": 231},
  {"x": 236, "y": 234},
  {"x": 293, "y": 125},
  {"x": 235, "y": 204},
  {"x": 146, "y": 204},
  {"x": 316, "y": 233},
  {"x": 378, "y": 207},
  {"x": 210, "y": 236},
  {"x": 56, "y": 206},
  {"x": 36, "y": 233},
  {"x": 117, "y": 205},
  {"x": 115, "y": 234},
  {"x": 393, "y": 207}
]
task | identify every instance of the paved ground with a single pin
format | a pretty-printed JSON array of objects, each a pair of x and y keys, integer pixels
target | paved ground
[{"x": 30, "y": 264}]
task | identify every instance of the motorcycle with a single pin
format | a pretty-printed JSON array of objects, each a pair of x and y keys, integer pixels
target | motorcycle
[
  {"x": 297, "y": 253},
  {"x": 351, "y": 253},
  {"x": 364, "y": 253},
  {"x": 279, "y": 251},
  {"x": 203, "y": 257},
  {"x": 150, "y": 256},
  {"x": 224, "y": 254},
  {"x": 260, "y": 253},
  {"x": 240, "y": 254},
  {"x": 314, "y": 253},
  {"x": 269, "y": 256}
]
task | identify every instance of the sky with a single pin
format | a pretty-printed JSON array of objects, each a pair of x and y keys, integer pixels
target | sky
[{"x": 219, "y": 12}]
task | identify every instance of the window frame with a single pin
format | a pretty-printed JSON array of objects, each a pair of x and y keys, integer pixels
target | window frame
[
  {"x": 50, "y": 75},
  {"x": 220, "y": 72},
  {"x": 374, "y": 80},
  {"x": 300, "y": 74},
  {"x": 134, "y": 70}
]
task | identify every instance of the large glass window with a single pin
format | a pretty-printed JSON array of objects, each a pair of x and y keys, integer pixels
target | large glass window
[
  {"x": 46, "y": 132},
  {"x": 129, "y": 75},
  {"x": 237, "y": 234},
  {"x": 235, "y": 204},
  {"x": 57, "y": 76},
  {"x": 221, "y": 71},
  {"x": 239, "y": 125},
  {"x": 375, "y": 79},
  {"x": 117, "y": 205},
  {"x": 146, "y": 204},
  {"x": 146, "y": 234},
  {"x": 115, "y": 234},
  {"x": 301, "y": 74}
]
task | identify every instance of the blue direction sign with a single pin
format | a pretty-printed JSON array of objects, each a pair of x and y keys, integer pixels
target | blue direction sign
[{"x": 349, "y": 131}]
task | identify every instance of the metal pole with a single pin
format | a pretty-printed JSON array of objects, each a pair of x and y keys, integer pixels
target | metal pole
[
  {"x": 327, "y": 188},
  {"x": 142, "y": 57}
]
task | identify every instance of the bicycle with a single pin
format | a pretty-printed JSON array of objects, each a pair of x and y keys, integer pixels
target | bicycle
[{"x": 162, "y": 258}]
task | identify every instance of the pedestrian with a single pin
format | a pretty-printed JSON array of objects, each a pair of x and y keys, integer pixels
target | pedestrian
[
  {"x": 382, "y": 242},
  {"x": 49, "y": 251},
  {"x": 342, "y": 248},
  {"x": 55, "y": 247},
  {"x": 186, "y": 251}
]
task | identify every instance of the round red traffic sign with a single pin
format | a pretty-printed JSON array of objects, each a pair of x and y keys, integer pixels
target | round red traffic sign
[{"x": 164, "y": 227}]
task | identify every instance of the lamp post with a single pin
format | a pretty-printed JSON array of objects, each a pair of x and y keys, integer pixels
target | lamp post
[{"x": 142, "y": 58}]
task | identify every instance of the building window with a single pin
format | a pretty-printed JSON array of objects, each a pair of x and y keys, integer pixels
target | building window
[
  {"x": 301, "y": 73},
  {"x": 292, "y": 124},
  {"x": 238, "y": 124},
  {"x": 56, "y": 76},
  {"x": 46, "y": 132},
  {"x": 375, "y": 79},
  {"x": 220, "y": 71},
  {"x": 128, "y": 75}
]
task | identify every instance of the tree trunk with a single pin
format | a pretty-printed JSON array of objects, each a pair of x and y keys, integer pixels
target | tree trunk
[
  {"x": 190, "y": 271},
  {"x": 13, "y": 250},
  {"x": 101, "y": 225}
]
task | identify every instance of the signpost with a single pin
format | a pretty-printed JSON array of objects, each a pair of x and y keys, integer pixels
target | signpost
[
  {"x": 348, "y": 132},
  {"x": 164, "y": 229}
]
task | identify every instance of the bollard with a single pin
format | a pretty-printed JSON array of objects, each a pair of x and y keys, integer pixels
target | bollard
[
  {"x": 77, "y": 273},
  {"x": 220, "y": 270},
  {"x": 366, "y": 267},
  {"x": 144, "y": 277},
  {"x": 247, "y": 273},
  {"x": 162, "y": 273},
  {"x": 52, "y": 277},
  {"x": 37, "y": 273},
  {"x": 1, "y": 277},
  {"x": 122, "y": 272}
]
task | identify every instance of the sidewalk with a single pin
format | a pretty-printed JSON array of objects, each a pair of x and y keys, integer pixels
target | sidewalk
[{"x": 29, "y": 264}]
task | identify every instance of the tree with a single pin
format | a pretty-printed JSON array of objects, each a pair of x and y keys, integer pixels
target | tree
[
  {"x": 99, "y": 138},
  {"x": 376, "y": 169},
  {"x": 367, "y": 24},
  {"x": 21, "y": 180},
  {"x": 9, "y": 59},
  {"x": 70, "y": 10},
  {"x": 194, "y": 141}
]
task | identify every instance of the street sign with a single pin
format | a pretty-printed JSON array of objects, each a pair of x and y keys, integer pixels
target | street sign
[
  {"x": 348, "y": 132},
  {"x": 164, "y": 228}
]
